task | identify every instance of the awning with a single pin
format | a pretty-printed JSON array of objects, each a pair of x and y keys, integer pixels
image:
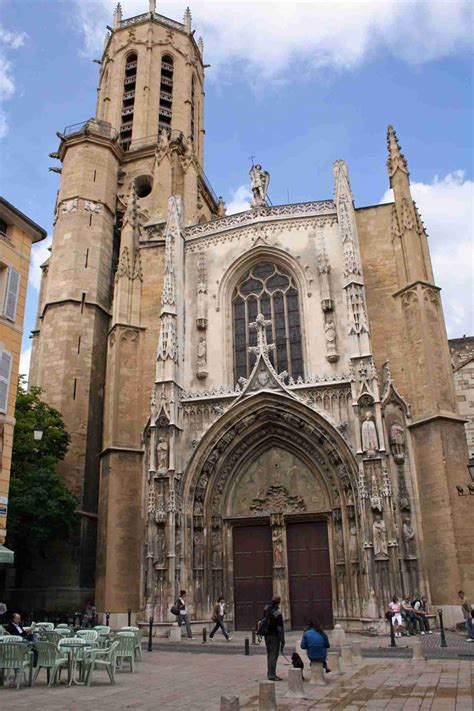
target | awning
[{"x": 6, "y": 555}]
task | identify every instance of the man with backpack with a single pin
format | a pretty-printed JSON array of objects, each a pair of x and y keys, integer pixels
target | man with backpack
[{"x": 271, "y": 628}]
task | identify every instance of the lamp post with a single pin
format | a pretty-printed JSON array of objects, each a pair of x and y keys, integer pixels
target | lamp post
[{"x": 38, "y": 432}]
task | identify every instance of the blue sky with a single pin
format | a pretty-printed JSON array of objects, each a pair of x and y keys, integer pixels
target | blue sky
[{"x": 296, "y": 84}]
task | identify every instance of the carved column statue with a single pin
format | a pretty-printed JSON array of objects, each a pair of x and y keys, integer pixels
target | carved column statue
[
  {"x": 397, "y": 442},
  {"x": 162, "y": 456},
  {"x": 370, "y": 443},
  {"x": 409, "y": 538},
  {"x": 379, "y": 533}
]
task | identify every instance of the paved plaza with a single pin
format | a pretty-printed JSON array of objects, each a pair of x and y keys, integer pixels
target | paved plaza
[{"x": 171, "y": 680}]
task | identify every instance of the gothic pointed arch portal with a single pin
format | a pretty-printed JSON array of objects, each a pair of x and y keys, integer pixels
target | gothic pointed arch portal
[{"x": 281, "y": 472}]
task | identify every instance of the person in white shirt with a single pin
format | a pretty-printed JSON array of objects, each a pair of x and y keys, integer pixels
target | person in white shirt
[
  {"x": 395, "y": 611},
  {"x": 218, "y": 618},
  {"x": 183, "y": 617}
]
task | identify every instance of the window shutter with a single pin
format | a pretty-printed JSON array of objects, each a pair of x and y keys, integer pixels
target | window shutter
[
  {"x": 11, "y": 294},
  {"x": 5, "y": 369}
]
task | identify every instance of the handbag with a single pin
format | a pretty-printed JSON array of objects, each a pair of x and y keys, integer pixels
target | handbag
[{"x": 174, "y": 610}]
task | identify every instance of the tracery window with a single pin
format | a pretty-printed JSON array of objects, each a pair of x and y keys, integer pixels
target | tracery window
[{"x": 268, "y": 289}]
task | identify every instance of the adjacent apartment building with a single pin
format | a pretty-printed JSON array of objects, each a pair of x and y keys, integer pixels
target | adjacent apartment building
[{"x": 17, "y": 233}]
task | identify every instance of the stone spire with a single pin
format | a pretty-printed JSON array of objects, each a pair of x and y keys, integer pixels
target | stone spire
[
  {"x": 187, "y": 20},
  {"x": 396, "y": 160},
  {"x": 408, "y": 233},
  {"x": 117, "y": 16}
]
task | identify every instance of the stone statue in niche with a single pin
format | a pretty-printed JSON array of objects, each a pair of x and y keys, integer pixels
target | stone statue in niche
[
  {"x": 339, "y": 543},
  {"x": 397, "y": 442},
  {"x": 202, "y": 358},
  {"x": 198, "y": 541},
  {"x": 162, "y": 455},
  {"x": 372, "y": 611},
  {"x": 278, "y": 556},
  {"x": 409, "y": 538},
  {"x": 353, "y": 548},
  {"x": 216, "y": 549},
  {"x": 160, "y": 559},
  {"x": 370, "y": 442},
  {"x": 330, "y": 333},
  {"x": 379, "y": 532}
]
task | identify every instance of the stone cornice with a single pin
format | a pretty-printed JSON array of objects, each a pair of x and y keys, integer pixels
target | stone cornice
[
  {"x": 414, "y": 284},
  {"x": 441, "y": 415},
  {"x": 260, "y": 215},
  {"x": 60, "y": 302},
  {"x": 112, "y": 449}
]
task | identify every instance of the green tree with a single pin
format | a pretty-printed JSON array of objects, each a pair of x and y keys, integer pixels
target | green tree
[{"x": 41, "y": 509}]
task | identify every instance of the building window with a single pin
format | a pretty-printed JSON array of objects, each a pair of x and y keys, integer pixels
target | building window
[
  {"x": 270, "y": 290},
  {"x": 10, "y": 289},
  {"x": 166, "y": 94},
  {"x": 5, "y": 370},
  {"x": 128, "y": 100},
  {"x": 3, "y": 227}
]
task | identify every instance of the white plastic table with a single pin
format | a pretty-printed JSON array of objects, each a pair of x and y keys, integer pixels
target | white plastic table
[{"x": 73, "y": 645}]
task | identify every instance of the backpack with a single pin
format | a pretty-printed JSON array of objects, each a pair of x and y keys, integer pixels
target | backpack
[{"x": 264, "y": 625}]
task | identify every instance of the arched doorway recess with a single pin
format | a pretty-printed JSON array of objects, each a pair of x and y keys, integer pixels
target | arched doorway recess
[{"x": 282, "y": 471}]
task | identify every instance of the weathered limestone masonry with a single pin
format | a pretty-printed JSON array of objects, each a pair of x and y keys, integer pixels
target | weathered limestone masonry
[
  {"x": 462, "y": 359},
  {"x": 268, "y": 395}
]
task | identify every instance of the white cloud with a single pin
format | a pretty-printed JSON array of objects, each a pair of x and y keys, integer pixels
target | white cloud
[
  {"x": 39, "y": 254},
  {"x": 8, "y": 41},
  {"x": 25, "y": 358},
  {"x": 447, "y": 209},
  {"x": 13, "y": 39},
  {"x": 240, "y": 200},
  {"x": 262, "y": 38}
]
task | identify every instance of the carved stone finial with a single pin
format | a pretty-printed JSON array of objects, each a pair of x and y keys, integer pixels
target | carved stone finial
[
  {"x": 117, "y": 16},
  {"x": 201, "y": 46},
  {"x": 260, "y": 325},
  {"x": 152, "y": 6},
  {"x": 396, "y": 160},
  {"x": 187, "y": 20}
]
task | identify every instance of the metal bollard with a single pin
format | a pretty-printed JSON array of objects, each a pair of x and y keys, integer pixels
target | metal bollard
[
  {"x": 392, "y": 633},
  {"x": 107, "y": 618},
  {"x": 204, "y": 635},
  {"x": 129, "y": 617},
  {"x": 442, "y": 632},
  {"x": 150, "y": 634},
  {"x": 246, "y": 647}
]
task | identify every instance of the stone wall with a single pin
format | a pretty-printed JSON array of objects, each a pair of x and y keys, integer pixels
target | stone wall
[{"x": 462, "y": 357}]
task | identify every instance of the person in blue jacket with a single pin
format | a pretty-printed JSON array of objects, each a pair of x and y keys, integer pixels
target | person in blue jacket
[{"x": 316, "y": 643}]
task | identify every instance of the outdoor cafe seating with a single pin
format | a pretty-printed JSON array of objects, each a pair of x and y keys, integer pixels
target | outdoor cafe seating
[{"x": 81, "y": 653}]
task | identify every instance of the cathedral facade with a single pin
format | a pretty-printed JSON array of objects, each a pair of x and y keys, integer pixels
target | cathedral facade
[{"x": 258, "y": 403}]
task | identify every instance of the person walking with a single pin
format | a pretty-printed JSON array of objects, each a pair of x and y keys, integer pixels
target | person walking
[
  {"x": 218, "y": 617},
  {"x": 183, "y": 617},
  {"x": 466, "y": 608},
  {"x": 316, "y": 643},
  {"x": 274, "y": 633}
]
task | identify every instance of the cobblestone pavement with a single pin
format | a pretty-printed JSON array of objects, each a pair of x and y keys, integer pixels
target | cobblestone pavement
[{"x": 171, "y": 681}]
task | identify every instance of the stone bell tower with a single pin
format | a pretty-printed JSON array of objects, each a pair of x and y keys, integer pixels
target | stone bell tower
[{"x": 118, "y": 170}]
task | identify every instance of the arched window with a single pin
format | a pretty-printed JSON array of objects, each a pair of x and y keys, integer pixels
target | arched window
[
  {"x": 166, "y": 93},
  {"x": 268, "y": 289},
  {"x": 128, "y": 100}
]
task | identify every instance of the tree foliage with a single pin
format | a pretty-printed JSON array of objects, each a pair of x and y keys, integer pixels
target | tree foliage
[{"x": 41, "y": 509}]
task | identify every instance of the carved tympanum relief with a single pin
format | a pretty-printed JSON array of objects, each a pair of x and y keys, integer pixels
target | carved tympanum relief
[{"x": 277, "y": 481}]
